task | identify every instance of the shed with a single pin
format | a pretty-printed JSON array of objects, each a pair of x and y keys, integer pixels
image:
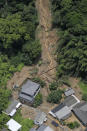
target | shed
[
  {"x": 80, "y": 110},
  {"x": 12, "y": 108},
  {"x": 40, "y": 118},
  {"x": 29, "y": 91},
  {"x": 69, "y": 92},
  {"x": 13, "y": 125}
]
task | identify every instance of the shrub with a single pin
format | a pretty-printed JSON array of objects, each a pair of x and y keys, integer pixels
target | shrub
[
  {"x": 84, "y": 97},
  {"x": 38, "y": 80},
  {"x": 5, "y": 94},
  {"x": 55, "y": 96},
  {"x": 38, "y": 100},
  {"x": 26, "y": 123},
  {"x": 3, "y": 120},
  {"x": 73, "y": 125},
  {"x": 53, "y": 86}
]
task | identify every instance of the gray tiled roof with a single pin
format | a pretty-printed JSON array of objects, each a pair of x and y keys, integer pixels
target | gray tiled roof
[
  {"x": 41, "y": 116},
  {"x": 30, "y": 87},
  {"x": 11, "y": 106},
  {"x": 29, "y": 90},
  {"x": 26, "y": 97},
  {"x": 69, "y": 101},
  {"x": 69, "y": 92},
  {"x": 63, "y": 113},
  {"x": 80, "y": 111}
]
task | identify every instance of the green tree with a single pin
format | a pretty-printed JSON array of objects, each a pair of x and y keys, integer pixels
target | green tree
[
  {"x": 5, "y": 94},
  {"x": 55, "y": 96}
]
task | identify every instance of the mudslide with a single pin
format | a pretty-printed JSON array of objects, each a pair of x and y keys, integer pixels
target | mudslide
[{"x": 47, "y": 37}]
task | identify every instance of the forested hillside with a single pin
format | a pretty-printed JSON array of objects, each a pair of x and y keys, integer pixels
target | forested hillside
[
  {"x": 18, "y": 47},
  {"x": 70, "y": 17},
  {"x": 18, "y": 22}
]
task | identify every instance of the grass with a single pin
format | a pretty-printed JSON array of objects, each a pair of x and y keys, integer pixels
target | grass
[
  {"x": 27, "y": 124},
  {"x": 83, "y": 87}
]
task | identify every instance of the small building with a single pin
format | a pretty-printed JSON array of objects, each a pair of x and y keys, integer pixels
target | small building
[
  {"x": 12, "y": 108},
  {"x": 42, "y": 128},
  {"x": 61, "y": 112},
  {"x": 71, "y": 101},
  {"x": 13, "y": 125},
  {"x": 40, "y": 118},
  {"x": 29, "y": 91},
  {"x": 80, "y": 110},
  {"x": 69, "y": 92}
]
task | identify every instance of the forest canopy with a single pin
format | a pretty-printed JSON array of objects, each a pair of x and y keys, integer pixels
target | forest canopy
[
  {"x": 70, "y": 17},
  {"x": 18, "y": 46}
]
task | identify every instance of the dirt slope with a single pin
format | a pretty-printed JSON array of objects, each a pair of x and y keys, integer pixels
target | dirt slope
[{"x": 46, "y": 35}]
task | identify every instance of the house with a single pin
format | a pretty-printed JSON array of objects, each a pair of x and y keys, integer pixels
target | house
[
  {"x": 40, "y": 118},
  {"x": 29, "y": 91},
  {"x": 69, "y": 92},
  {"x": 13, "y": 125},
  {"x": 12, "y": 108},
  {"x": 42, "y": 128},
  {"x": 80, "y": 110},
  {"x": 61, "y": 112},
  {"x": 71, "y": 101}
]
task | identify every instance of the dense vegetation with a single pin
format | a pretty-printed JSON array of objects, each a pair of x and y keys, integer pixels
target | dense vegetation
[
  {"x": 55, "y": 96},
  {"x": 18, "y": 22},
  {"x": 18, "y": 47},
  {"x": 73, "y": 125},
  {"x": 70, "y": 17},
  {"x": 38, "y": 100}
]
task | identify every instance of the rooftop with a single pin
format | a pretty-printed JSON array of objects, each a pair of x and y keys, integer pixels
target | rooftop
[
  {"x": 40, "y": 118},
  {"x": 13, "y": 125},
  {"x": 80, "y": 111},
  {"x": 12, "y": 107},
  {"x": 71, "y": 101},
  {"x": 69, "y": 92},
  {"x": 30, "y": 87},
  {"x": 61, "y": 112}
]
